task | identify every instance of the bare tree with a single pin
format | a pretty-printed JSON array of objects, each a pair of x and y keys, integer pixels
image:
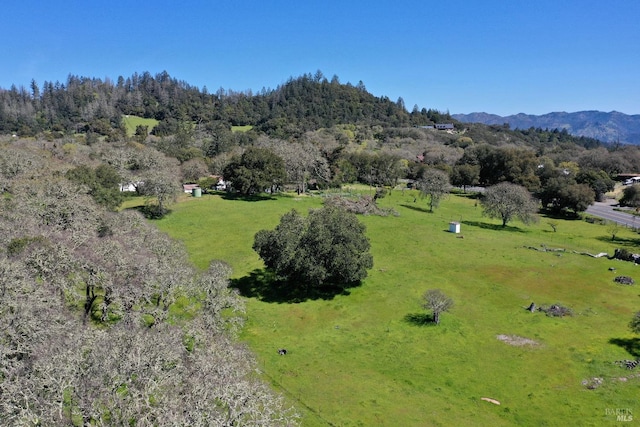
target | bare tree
[
  {"x": 434, "y": 184},
  {"x": 303, "y": 161},
  {"x": 194, "y": 169},
  {"x": 437, "y": 302},
  {"x": 211, "y": 289},
  {"x": 161, "y": 186},
  {"x": 17, "y": 162},
  {"x": 613, "y": 228},
  {"x": 154, "y": 175},
  {"x": 85, "y": 296},
  {"x": 57, "y": 368}
]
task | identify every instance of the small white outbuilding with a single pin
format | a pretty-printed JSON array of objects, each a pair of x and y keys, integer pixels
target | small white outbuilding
[{"x": 454, "y": 227}]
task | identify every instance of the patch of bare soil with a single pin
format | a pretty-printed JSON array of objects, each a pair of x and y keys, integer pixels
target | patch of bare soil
[{"x": 516, "y": 340}]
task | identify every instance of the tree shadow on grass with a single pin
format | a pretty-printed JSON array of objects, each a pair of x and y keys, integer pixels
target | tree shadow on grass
[
  {"x": 567, "y": 216},
  {"x": 420, "y": 319},
  {"x": 622, "y": 241},
  {"x": 632, "y": 345},
  {"x": 243, "y": 198},
  {"x": 496, "y": 227},
  {"x": 262, "y": 285},
  {"x": 417, "y": 208},
  {"x": 468, "y": 195},
  {"x": 151, "y": 211}
]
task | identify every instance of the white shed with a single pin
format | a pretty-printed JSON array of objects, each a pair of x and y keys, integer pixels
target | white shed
[{"x": 454, "y": 227}]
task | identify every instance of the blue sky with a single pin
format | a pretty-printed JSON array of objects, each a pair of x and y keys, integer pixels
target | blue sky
[{"x": 498, "y": 56}]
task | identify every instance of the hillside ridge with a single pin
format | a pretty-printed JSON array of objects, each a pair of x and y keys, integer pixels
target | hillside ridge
[{"x": 611, "y": 127}]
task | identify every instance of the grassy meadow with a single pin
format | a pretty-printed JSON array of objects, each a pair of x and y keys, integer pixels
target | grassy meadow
[
  {"x": 368, "y": 356},
  {"x": 243, "y": 128},
  {"x": 131, "y": 122}
]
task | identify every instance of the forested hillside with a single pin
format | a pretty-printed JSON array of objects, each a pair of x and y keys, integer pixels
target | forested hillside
[
  {"x": 93, "y": 106},
  {"x": 83, "y": 104}
]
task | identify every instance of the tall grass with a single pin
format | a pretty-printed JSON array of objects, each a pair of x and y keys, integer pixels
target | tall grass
[{"x": 367, "y": 357}]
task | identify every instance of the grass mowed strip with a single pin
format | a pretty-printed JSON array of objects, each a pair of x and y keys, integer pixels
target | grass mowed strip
[{"x": 370, "y": 356}]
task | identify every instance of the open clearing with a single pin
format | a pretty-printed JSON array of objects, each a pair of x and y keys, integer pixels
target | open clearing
[
  {"x": 369, "y": 356},
  {"x": 131, "y": 122},
  {"x": 244, "y": 128}
]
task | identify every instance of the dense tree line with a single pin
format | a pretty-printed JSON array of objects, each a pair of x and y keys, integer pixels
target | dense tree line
[
  {"x": 306, "y": 103},
  {"x": 541, "y": 139}
]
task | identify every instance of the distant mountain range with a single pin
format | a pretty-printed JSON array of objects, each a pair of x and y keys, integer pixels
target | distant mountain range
[{"x": 606, "y": 127}]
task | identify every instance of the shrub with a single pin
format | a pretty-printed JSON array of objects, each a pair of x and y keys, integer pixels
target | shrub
[{"x": 364, "y": 205}]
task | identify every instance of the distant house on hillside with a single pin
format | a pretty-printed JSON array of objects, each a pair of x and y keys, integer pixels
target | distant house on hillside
[
  {"x": 439, "y": 126},
  {"x": 130, "y": 186}
]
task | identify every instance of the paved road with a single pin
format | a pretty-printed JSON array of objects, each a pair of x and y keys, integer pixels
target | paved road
[{"x": 606, "y": 211}]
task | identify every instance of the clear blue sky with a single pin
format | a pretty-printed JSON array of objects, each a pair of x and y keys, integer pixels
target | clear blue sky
[{"x": 497, "y": 56}]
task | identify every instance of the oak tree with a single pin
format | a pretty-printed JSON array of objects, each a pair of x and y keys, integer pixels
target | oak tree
[
  {"x": 257, "y": 170},
  {"x": 465, "y": 175},
  {"x": 327, "y": 247},
  {"x": 508, "y": 201},
  {"x": 434, "y": 184}
]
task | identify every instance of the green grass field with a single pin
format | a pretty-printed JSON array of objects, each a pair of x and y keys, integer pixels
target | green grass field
[
  {"x": 367, "y": 358},
  {"x": 131, "y": 122},
  {"x": 244, "y": 128}
]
